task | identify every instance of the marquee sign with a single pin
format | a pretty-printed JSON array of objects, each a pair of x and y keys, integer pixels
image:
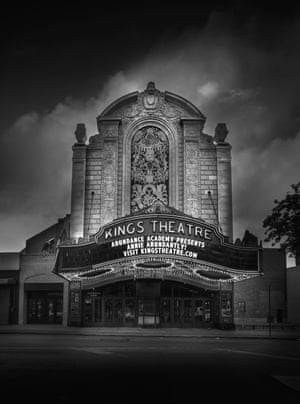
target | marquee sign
[{"x": 159, "y": 235}]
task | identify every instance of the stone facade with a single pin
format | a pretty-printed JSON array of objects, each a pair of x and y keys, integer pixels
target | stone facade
[
  {"x": 150, "y": 151},
  {"x": 198, "y": 166}
]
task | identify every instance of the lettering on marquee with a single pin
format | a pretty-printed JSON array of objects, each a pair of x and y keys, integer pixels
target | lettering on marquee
[
  {"x": 160, "y": 236},
  {"x": 171, "y": 237},
  {"x": 159, "y": 226}
]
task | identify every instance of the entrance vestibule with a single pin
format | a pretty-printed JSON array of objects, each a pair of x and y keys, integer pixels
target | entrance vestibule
[{"x": 150, "y": 303}]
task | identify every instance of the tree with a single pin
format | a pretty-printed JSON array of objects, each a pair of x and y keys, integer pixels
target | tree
[{"x": 283, "y": 225}]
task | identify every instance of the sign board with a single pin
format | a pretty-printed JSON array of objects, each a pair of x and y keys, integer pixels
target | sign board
[
  {"x": 75, "y": 303},
  {"x": 159, "y": 235}
]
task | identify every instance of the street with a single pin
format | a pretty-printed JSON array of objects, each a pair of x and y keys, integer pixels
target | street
[{"x": 66, "y": 368}]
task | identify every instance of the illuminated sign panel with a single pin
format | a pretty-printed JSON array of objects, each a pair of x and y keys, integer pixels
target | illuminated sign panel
[{"x": 159, "y": 235}]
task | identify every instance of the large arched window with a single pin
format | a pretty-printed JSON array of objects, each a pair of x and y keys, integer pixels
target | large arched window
[{"x": 149, "y": 168}]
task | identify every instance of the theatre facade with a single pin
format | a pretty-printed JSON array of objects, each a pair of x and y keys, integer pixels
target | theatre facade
[{"x": 149, "y": 240}]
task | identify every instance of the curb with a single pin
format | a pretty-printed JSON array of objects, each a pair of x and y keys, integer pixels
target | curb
[{"x": 145, "y": 334}]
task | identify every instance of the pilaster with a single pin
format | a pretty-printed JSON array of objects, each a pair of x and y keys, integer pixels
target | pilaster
[
  {"x": 225, "y": 188},
  {"x": 192, "y": 128},
  {"x": 78, "y": 191}
]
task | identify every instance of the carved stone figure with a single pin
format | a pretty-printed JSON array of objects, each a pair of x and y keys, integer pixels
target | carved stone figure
[
  {"x": 221, "y": 133},
  {"x": 149, "y": 168},
  {"x": 80, "y": 133}
]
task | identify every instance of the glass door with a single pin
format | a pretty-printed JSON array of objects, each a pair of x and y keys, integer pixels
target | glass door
[
  {"x": 97, "y": 311},
  {"x": 108, "y": 311},
  {"x": 187, "y": 312},
  {"x": 118, "y": 312},
  {"x": 113, "y": 311},
  {"x": 177, "y": 312},
  {"x": 148, "y": 313},
  {"x": 43, "y": 309},
  {"x": 199, "y": 312},
  {"x": 165, "y": 312},
  {"x": 207, "y": 311},
  {"x": 203, "y": 312},
  {"x": 130, "y": 309}
]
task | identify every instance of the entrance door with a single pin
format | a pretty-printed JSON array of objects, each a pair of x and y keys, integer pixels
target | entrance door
[
  {"x": 130, "y": 312},
  {"x": 4, "y": 305},
  {"x": 203, "y": 312},
  {"x": 113, "y": 311},
  {"x": 44, "y": 308},
  {"x": 183, "y": 312},
  {"x": 166, "y": 312},
  {"x": 199, "y": 312},
  {"x": 148, "y": 312},
  {"x": 177, "y": 312},
  {"x": 187, "y": 317},
  {"x": 97, "y": 312}
]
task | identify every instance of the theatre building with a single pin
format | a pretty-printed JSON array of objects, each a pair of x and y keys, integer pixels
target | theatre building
[{"x": 149, "y": 241}]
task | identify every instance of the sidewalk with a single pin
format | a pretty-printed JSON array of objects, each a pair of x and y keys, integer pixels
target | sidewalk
[{"x": 148, "y": 332}]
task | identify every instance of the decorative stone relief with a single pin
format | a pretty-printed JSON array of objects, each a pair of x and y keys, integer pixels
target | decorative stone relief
[
  {"x": 109, "y": 128},
  {"x": 191, "y": 179},
  {"x": 94, "y": 153},
  {"x": 109, "y": 182},
  {"x": 95, "y": 139},
  {"x": 131, "y": 111},
  {"x": 206, "y": 139},
  {"x": 150, "y": 96},
  {"x": 149, "y": 168},
  {"x": 80, "y": 133},
  {"x": 150, "y": 102}
]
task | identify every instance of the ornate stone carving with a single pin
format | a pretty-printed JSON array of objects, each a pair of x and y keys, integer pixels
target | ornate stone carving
[
  {"x": 149, "y": 168},
  {"x": 206, "y": 139},
  {"x": 191, "y": 179},
  {"x": 109, "y": 128},
  {"x": 221, "y": 133},
  {"x": 80, "y": 133},
  {"x": 95, "y": 139},
  {"x": 150, "y": 102},
  {"x": 131, "y": 111},
  {"x": 151, "y": 96},
  {"x": 109, "y": 182}
]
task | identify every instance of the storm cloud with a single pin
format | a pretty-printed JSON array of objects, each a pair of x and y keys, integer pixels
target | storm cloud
[{"x": 238, "y": 75}]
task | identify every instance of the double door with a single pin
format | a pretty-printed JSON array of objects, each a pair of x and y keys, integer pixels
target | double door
[
  {"x": 44, "y": 309},
  {"x": 148, "y": 312},
  {"x": 151, "y": 312},
  {"x": 185, "y": 312},
  {"x": 113, "y": 311},
  {"x": 126, "y": 311}
]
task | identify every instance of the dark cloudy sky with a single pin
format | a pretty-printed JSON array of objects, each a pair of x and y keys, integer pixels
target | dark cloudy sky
[{"x": 238, "y": 61}]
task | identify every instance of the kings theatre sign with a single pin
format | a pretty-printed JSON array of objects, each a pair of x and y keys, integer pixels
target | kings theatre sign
[{"x": 160, "y": 236}]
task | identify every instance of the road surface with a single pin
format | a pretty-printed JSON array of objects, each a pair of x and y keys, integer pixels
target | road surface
[{"x": 91, "y": 369}]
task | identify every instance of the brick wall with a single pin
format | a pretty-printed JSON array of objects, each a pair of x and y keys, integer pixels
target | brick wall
[{"x": 255, "y": 292}]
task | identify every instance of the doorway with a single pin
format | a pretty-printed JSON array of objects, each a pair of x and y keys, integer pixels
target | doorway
[
  {"x": 148, "y": 312},
  {"x": 44, "y": 307}
]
